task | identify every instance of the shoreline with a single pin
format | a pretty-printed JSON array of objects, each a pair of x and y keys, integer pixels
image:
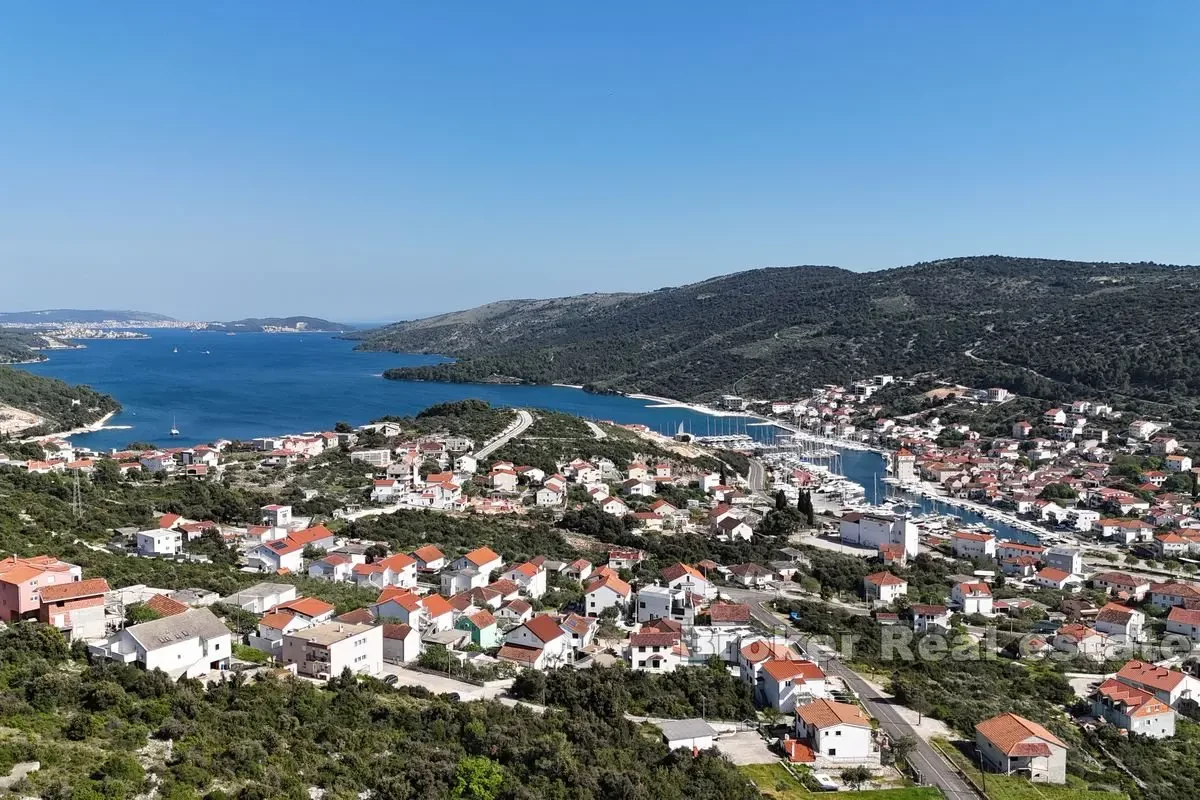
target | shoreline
[{"x": 98, "y": 425}]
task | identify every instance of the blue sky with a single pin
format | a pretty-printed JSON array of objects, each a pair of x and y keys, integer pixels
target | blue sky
[{"x": 372, "y": 161}]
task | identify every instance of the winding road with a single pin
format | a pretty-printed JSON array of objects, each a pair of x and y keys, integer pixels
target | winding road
[{"x": 523, "y": 421}]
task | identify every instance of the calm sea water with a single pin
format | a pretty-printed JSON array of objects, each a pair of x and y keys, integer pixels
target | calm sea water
[{"x": 211, "y": 385}]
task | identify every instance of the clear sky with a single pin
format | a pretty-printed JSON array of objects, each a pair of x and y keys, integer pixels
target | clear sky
[{"x": 370, "y": 161}]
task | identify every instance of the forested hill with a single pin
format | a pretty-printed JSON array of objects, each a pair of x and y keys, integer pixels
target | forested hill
[
  {"x": 1042, "y": 327},
  {"x": 60, "y": 405},
  {"x": 313, "y": 324}
]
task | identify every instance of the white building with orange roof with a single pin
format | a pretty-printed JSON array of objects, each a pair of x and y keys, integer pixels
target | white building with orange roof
[
  {"x": 687, "y": 577},
  {"x": 758, "y": 650},
  {"x": 968, "y": 544},
  {"x": 837, "y": 733},
  {"x": 1079, "y": 639},
  {"x": 605, "y": 592},
  {"x": 1168, "y": 685},
  {"x": 1013, "y": 745},
  {"x": 972, "y": 597},
  {"x": 782, "y": 684},
  {"x": 1133, "y": 710},
  {"x": 397, "y": 569},
  {"x": 884, "y": 588},
  {"x": 530, "y": 577},
  {"x": 483, "y": 559}
]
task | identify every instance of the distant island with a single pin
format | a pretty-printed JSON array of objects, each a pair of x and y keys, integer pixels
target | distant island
[
  {"x": 282, "y": 325},
  {"x": 54, "y": 317}
]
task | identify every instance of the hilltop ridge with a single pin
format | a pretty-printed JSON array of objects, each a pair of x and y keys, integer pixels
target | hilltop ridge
[{"x": 1039, "y": 326}]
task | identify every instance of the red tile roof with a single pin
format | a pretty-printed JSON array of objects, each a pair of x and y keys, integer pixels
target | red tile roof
[
  {"x": 544, "y": 627},
  {"x": 1007, "y": 731},
  {"x": 164, "y": 606},
  {"x": 75, "y": 589}
]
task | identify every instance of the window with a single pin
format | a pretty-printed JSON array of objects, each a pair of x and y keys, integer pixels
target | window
[
  {"x": 837, "y": 733},
  {"x": 833, "y": 751}
]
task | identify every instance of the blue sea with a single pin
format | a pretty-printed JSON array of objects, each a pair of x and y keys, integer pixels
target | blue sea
[
  {"x": 214, "y": 386},
  {"x": 211, "y": 385}
]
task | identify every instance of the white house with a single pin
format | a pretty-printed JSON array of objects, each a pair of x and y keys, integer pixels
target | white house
[
  {"x": 930, "y": 617},
  {"x": 189, "y": 644},
  {"x": 385, "y": 490},
  {"x": 483, "y": 559},
  {"x": 655, "y": 651},
  {"x": 784, "y": 683},
  {"x": 688, "y": 578},
  {"x": 540, "y": 643},
  {"x": 401, "y": 643},
  {"x": 1013, "y": 745},
  {"x": 972, "y": 598},
  {"x": 605, "y": 592},
  {"x": 1079, "y": 639},
  {"x": 967, "y": 544},
  {"x": 836, "y": 732},
  {"x": 333, "y": 567},
  {"x": 530, "y": 577},
  {"x": 1133, "y": 710},
  {"x": 1051, "y": 578},
  {"x": 397, "y": 569},
  {"x": 1168, "y": 685},
  {"x": 428, "y": 558},
  {"x": 325, "y": 650},
  {"x": 159, "y": 542},
  {"x": 883, "y": 588},
  {"x": 687, "y": 734},
  {"x": 549, "y": 497},
  {"x": 1118, "y": 620},
  {"x": 1185, "y": 622}
]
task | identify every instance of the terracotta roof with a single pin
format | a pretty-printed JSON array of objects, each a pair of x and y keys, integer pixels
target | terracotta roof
[
  {"x": 1158, "y": 678},
  {"x": 577, "y": 624},
  {"x": 1184, "y": 616},
  {"x": 427, "y": 553},
  {"x": 974, "y": 588},
  {"x": 519, "y": 653},
  {"x": 1052, "y": 574},
  {"x": 1006, "y": 731},
  {"x": 729, "y": 612},
  {"x": 164, "y": 606},
  {"x": 305, "y": 606},
  {"x": 761, "y": 650},
  {"x": 1137, "y": 703},
  {"x": 277, "y": 620},
  {"x": 69, "y": 591},
  {"x": 359, "y": 616},
  {"x": 677, "y": 571},
  {"x": 1115, "y": 613},
  {"x": 391, "y": 631},
  {"x": 504, "y": 587},
  {"x": 544, "y": 627},
  {"x": 974, "y": 537},
  {"x": 827, "y": 713},
  {"x": 608, "y": 581},
  {"x": 798, "y": 752},
  {"x": 653, "y": 639},
  {"x": 436, "y": 605},
  {"x": 481, "y": 556},
  {"x": 786, "y": 669},
  {"x": 1120, "y": 579},
  {"x": 482, "y": 619},
  {"x": 527, "y": 569},
  {"x": 929, "y": 610},
  {"x": 885, "y": 579},
  {"x": 518, "y": 607}
]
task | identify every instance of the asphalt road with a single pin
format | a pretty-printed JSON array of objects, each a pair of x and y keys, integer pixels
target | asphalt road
[
  {"x": 757, "y": 477},
  {"x": 524, "y": 420},
  {"x": 933, "y": 767}
]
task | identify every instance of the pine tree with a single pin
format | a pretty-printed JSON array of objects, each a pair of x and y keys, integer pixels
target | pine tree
[{"x": 781, "y": 502}]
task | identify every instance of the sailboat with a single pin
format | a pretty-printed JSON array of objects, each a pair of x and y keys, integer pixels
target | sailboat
[
  {"x": 175, "y": 350},
  {"x": 174, "y": 431}
]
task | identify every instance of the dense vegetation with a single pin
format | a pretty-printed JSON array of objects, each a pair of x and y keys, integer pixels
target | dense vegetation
[
  {"x": 1043, "y": 328},
  {"x": 473, "y": 418},
  {"x": 314, "y": 324},
  {"x": 707, "y": 691},
  {"x": 52, "y": 400},
  {"x": 112, "y": 731}
]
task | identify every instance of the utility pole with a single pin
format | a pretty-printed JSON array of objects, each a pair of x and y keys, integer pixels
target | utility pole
[{"x": 76, "y": 497}]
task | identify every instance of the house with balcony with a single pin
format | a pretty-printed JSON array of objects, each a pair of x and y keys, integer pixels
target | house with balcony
[{"x": 186, "y": 645}]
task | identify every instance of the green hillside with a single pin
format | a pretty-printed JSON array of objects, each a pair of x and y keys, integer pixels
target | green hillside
[{"x": 1048, "y": 328}]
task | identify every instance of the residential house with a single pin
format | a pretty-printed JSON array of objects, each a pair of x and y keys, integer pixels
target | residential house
[
  {"x": 836, "y": 732},
  {"x": 513, "y": 613},
  {"x": 1168, "y": 685},
  {"x": 578, "y": 570},
  {"x": 1078, "y": 639},
  {"x": 694, "y": 735},
  {"x": 401, "y": 643},
  {"x": 581, "y": 630},
  {"x": 428, "y": 558},
  {"x": 751, "y": 574},
  {"x": 1118, "y": 620},
  {"x": 1012, "y": 745},
  {"x": 159, "y": 542},
  {"x": 663, "y": 602},
  {"x": 1068, "y": 559},
  {"x": 1009, "y": 549},
  {"x": 482, "y": 627},
  {"x": 1051, "y": 578},
  {"x": 930, "y": 618},
  {"x": 729, "y": 614},
  {"x": 605, "y": 592},
  {"x": 655, "y": 651},
  {"x": 333, "y": 567},
  {"x": 530, "y": 577},
  {"x": 483, "y": 559},
  {"x": 783, "y": 684},
  {"x": 397, "y": 569},
  {"x": 1133, "y": 710},
  {"x": 882, "y": 588},
  {"x": 969, "y": 545},
  {"x": 22, "y": 580},
  {"x": 326, "y": 650},
  {"x": 684, "y": 576},
  {"x": 972, "y": 597},
  {"x": 1173, "y": 593},
  {"x": 758, "y": 650},
  {"x": 731, "y": 529},
  {"x": 873, "y": 530},
  {"x": 76, "y": 608},
  {"x": 186, "y": 645},
  {"x": 540, "y": 643},
  {"x": 1130, "y": 587},
  {"x": 1184, "y": 622},
  {"x": 261, "y": 596}
]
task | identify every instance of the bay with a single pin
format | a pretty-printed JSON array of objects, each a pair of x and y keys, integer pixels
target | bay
[{"x": 211, "y": 386}]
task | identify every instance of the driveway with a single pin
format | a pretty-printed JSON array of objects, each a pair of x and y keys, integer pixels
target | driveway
[{"x": 745, "y": 747}]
